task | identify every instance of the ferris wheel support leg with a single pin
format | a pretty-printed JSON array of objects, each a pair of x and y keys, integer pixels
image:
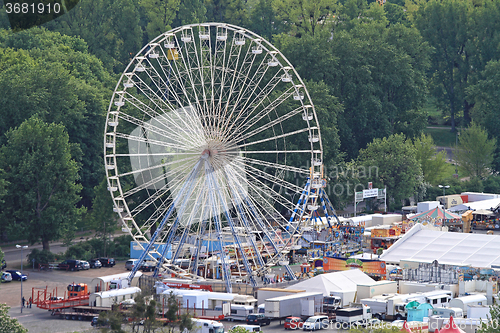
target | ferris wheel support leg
[
  {"x": 266, "y": 232},
  {"x": 211, "y": 187},
  {"x": 190, "y": 181},
  {"x": 324, "y": 197},
  {"x": 237, "y": 193},
  {"x": 235, "y": 233}
]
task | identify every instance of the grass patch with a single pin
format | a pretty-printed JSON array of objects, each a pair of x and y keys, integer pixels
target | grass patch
[{"x": 442, "y": 136}]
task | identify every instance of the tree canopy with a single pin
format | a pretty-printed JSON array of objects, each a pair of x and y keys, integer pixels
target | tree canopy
[{"x": 42, "y": 174}]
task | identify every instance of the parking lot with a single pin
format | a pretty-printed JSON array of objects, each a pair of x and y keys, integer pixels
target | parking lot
[{"x": 40, "y": 321}]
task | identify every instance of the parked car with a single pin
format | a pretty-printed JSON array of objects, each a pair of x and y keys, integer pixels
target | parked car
[
  {"x": 96, "y": 323},
  {"x": 316, "y": 323},
  {"x": 4, "y": 264},
  {"x": 258, "y": 319},
  {"x": 16, "y": 275},
  {"x": 293, "y": 323},
  {"x": 6, "y": 277},
  {"x": 85, "y": 264},
  {"x": 147, "y": 266},
  {"x": 107, "y": 262},
  {"x": 95, "y": 263},
  {"x": 70, "y": 265},
  {"x": 249, "y": 328},
  {"x": 130, "y": 264}
]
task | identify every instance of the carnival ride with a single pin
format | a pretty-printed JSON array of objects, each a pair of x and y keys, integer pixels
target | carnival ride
[{"x": 208, "y": 131}]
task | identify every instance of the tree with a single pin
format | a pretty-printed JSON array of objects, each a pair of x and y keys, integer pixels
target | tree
[
  {"x": 263, "y": 20},
  {"x": 305, "y": 17},
  {"x": 445, "y": 24},
  {"x": 190, "y": 11},
  {"x": 102, "y": 216},
  {"x": 433, "y": 164},
  {"x": 396, "y": 166},
  {"x": 8, "y": 324},
  {"x": 160, "y": 15},
  {"x": 484, "y": 95},
  {"x": 111, "y": 28},
  {"x": 54, "y": 77},
  {"x": 42, "y": 176},
  {"x": 474, "y": 153},
  {"x": 492, "y": 326}
]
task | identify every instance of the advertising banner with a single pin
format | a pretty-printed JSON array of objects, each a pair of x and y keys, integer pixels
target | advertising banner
[{"x": 344, "y": 264}]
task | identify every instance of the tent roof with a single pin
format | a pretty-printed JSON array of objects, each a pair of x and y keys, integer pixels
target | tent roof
[
  {"x": 451, "y": 327},
  {"x": 476, "y": 205},
  {"x": 405, "y": 328},
  {"x": 423, "y": 245},
  {"x": 336, "y": 281},
  {"x": 436, "y": 212}
]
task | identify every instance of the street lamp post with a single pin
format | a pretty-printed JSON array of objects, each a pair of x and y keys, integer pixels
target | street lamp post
[
  {"x": 444, "y": 188},
  {"x": 22, "y": 247}
]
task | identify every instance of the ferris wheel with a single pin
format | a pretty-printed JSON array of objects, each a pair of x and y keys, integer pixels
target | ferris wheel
[{"x": 209, "y": 134}]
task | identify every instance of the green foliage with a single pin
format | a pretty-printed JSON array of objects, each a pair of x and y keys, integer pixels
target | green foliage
[
  {"x": 8, "y": 324},
  {"x": 41, "y": 257},
  {"x": 53, "y": 76},
  {"x": 110, "y": 28},
  {"x": 433, "y": 164},
  {"x": 475, "y": 151},
  {"x": 397, "y": 166},
  {"x": 102, "y": 218},
  {"x": 493, "y": 322},
  {"x": 43, "y": 192},
  {"x": 484, "y": 95},
  {"x": 97, "y": 247},
  {"x": 238, "y": 329},
  {"x": 305, "y": 17},
  {"x": 160, "y": 15},
  {"x": 377, "y": 73}
]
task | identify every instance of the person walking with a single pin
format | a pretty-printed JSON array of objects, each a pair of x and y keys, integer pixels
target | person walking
[
  {"x": 23, "y": 300},
  {"x": 30, "y": 302}
]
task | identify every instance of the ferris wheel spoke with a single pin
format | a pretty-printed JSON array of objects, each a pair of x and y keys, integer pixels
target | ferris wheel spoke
[
  {"x": 274, "y": 138},
  {"x": 194, "y": 126},
  {"x": 163, "y": 118},
  {"x": 269, "y": 235},
  {"x": 277, "y": 166},
  {"x": 197, "y": 146},
  {"x": 173, "y": 185},
  {"x": 245, "y": 121},
  {"x": 158, "y": 166},
  {"x": 269, "y": 124}
]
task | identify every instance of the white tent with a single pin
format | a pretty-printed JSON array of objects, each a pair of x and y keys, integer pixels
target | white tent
[
  {"x": 420, "y": 244},
  {"x": 476, "y": 205},
  {"x": 344, "y": 281}
]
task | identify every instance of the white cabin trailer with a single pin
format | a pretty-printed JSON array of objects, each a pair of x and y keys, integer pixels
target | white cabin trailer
[
  {"x": 462, "y": 302},
  {"x": 112, "y": 282},
  {"x": 244, "y": 300},
  {"x": 447, "y": 312},
  {"x": 240, "y": 312},
  {"x": 206, "y": 326},
  {"x": 108, "y": 298}
]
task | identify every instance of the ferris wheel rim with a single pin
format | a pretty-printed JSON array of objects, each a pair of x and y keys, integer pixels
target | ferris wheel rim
[{"x": 120, "y": 203}]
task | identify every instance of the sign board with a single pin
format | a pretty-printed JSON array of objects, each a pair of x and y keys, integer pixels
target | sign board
[
  {"x": 381, "y": 193},
  {"x": 370, "y": 185},
  {"x": 358, "y": 196},
  {"x": 370, "y": 193}
]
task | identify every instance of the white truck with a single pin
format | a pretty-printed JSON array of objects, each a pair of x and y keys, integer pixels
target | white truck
[
  {"x": 296, "y": 305},
  {"x": 206, "y": 326},
  {"x": 393, "y": 306},
  {"x": 464, "y": 301},
  {"x": 354, "y": 315},
  {"x": 447, "y": 312}
]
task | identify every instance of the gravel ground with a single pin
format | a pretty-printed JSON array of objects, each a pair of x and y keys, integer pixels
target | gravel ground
[{"x": 38, "y": 320}]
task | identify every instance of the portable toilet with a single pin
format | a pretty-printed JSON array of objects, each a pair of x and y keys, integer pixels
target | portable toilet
[{"x": 417, "y": 311}]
